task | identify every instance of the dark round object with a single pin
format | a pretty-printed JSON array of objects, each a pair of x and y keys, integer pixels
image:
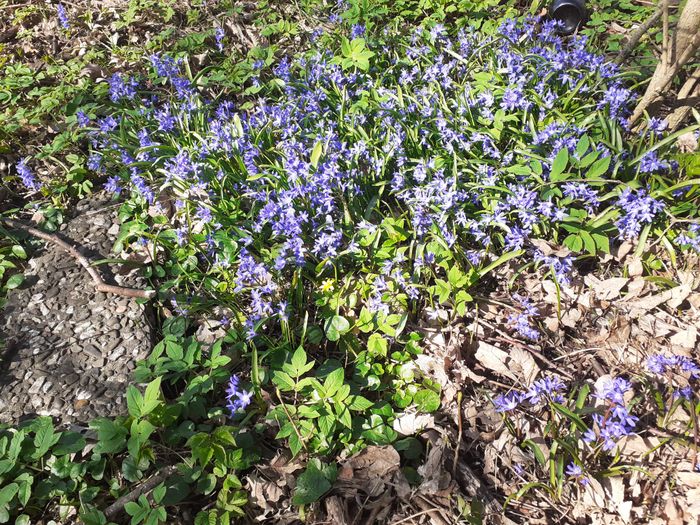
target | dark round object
[{"x": 570, "y": 12}]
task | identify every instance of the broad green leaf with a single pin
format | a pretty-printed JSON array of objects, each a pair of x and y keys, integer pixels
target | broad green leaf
[
  {"x": 44, "y": 438},
  {"x": 14, "y": 281},
  {"x": 333, "y": 381},
  {"x": 336, "y": 326},
  {"x": 559, "y": 165},
  {"x": 359, "y": 403},
  {"x": 283, "y": 381},
  {"x": 311, "y": 485},
  {"x": 377, "y": 345},
  {"x": 7, "y": 493},
  {"x": 151, "y": 398},
  {"x": 134, "y": 401},
  {"x": 599, "y": 167},
  {"x": 427, "y": 400}
]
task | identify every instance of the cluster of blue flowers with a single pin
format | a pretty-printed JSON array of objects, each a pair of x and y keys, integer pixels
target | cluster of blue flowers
[
  {"x": 237, "y": 398},
  {"x": 26, "y": 176},
  {"x": 62, "y": 16},
  {"x": 616, "y": 422},
  {"x": 691, "y": 238},
  {"x": 522, "y": 322},
  {"x": 426, "y": 130},
  {"x": 669, "y": 365},
  {"x": 542, "y": 390}
]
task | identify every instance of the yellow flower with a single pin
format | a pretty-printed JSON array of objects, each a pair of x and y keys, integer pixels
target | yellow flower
[{"x": 327, "y": 285}]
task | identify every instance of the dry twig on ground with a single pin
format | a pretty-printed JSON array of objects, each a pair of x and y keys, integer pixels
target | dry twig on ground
[{"x": 100, "y": 285}]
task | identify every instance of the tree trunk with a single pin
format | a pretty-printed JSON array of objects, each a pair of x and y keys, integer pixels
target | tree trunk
[{"x": 678, "y": 50}]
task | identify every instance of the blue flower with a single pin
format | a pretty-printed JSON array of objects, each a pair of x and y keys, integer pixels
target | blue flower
[
  {"x": 121, "y": 87},
  {"x": 62, "y": 16},
  {"x": 27, "y": 177},
  {"x": 237, "y": 398},
  {"x": 219, "y": 37}
]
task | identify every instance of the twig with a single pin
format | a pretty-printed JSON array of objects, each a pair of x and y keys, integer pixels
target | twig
[
  {"x": 459, "y": 434},
  {"x": 145, "y": 487},
  {"x": 696, "y": 437},
  {"x": 665, "y": 47},
  {"x": 100, "y": 285},
  {"x": 637, "y": 34},
  {"x": 416, "y": 515},
  {"x": 296, "y": 430}
]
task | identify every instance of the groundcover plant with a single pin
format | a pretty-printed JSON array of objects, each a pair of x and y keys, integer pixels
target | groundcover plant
[
  {"x": 375, "y": 169},
  {"x": 354, "y": 191}
]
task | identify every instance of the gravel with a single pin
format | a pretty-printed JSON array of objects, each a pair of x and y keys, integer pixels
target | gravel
[{"x": 67, "y": 347}]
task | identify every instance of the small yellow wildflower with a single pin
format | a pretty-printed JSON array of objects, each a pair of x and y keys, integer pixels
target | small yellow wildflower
[{"x": 327, "y": 285}]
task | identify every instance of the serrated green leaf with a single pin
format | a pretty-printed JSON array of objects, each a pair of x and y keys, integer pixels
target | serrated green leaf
[
  {"x": 333, "y": 382},
  {"x": 599, "y": 167}
]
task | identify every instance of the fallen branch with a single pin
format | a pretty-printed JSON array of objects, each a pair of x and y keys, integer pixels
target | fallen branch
[
  {"x": 100, "y": 285},
  {"x": 637, "y": 35},
  {"x": 690, "y": 90},
  {"x": 144, "y": 488}
]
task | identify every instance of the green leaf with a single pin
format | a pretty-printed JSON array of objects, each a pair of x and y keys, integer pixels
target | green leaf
[
  {"x": 316, "y": 154},
  {"x": 14, "y": 281},
  {"x": 574, "y": 242},
  {"x": 111, "y": 436},
  {"x": 311, "y": 485},
  {"x": 599, "y": 167},
  {"x": 283, "y": 381},
  {"x": 7, "y": 493},
  {"x": 559, "y": 165},
  {"x": 334, "y": 381},
  {"x": 141, "y": 430},
  {"x": 427, "y": 400},
  {"x": 151, "y": 398},
  {"x": 133, "y": 509},
  {"x": 159, "y": 493},
  {"x": 377, "y": 345},
  {"x": 69, "y": 443},
  {"x": 19, "y": 252},
  {"x": 336, "y": 326},
  {"x": 45, "y": 437},
  {"x": 359, "y": 403},
  {"x": 25, "y": 481},
  {"x": 134, "y": 401}
]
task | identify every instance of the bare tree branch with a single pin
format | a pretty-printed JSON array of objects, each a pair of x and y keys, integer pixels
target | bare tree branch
[
  {"x": 637, "y": 35},
  {"x": 144, "y": 488},
  {"x": 100, "y": 285}
]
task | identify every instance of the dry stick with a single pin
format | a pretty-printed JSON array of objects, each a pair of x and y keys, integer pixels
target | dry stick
[
  {"x": 459, "y": 434},
  {"x": 637, "y": 35},
  {"x": 666, "y": 50},
  {"x": 652, "y": 96},
  {"x": 690, "y": 89},
  {"x": 100, "y": 285},
  {"x": 144, "y": 488}
]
